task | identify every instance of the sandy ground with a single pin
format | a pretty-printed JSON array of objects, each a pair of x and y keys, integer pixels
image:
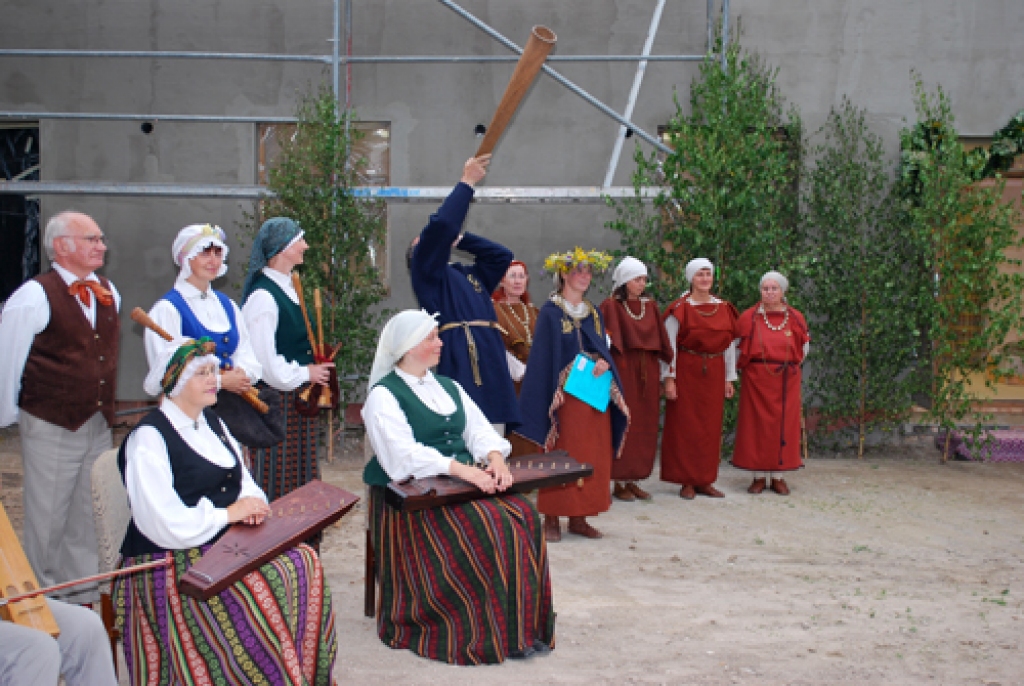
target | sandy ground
[{"x": 891, "y": 570}]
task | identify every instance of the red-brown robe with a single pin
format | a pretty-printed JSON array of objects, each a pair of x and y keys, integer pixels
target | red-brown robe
[
  {"x": 637, "y": 345},
  {"x": 768, "y": 427},
  {"x": 519, "y": 321},
  {"x": 692, "y": 445}
]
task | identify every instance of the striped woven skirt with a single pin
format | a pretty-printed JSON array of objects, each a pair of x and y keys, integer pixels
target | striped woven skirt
[
  {"x": 292, "y": 462},
  {"x": 464, "y": 584},
  {"x": 274, "y": 626}
]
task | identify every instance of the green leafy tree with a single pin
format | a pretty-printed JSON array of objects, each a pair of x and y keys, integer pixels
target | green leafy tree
[
  {"x": 727, "y": 192},
  {"x": 312, "y": 181},
  {"x": 859, "y": 290},
  {"x": 969, "y": 290}
]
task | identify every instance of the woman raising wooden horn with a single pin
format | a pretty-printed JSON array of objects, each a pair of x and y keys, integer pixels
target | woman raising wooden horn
[
  {"x": 270, "y": 305},
  {"x": 186, "y": 483}
]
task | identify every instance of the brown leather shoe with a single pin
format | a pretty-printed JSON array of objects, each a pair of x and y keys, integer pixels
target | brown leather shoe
[
  {"x": 580, "y": 527},
  {"x": 780, "y": 487},
  {"x": 552, "y": 529},
  {"x": 709, "y": 491},
  {"x": 758, "y": 486},
  {"x": 623, "y": 492},
  {"x": 687, "y": 492},
  {"x": 634, "y": 487}
]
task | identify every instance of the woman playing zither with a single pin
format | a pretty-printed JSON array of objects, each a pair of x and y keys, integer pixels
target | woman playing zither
[
  {"x": 773, "y": 344},
  {"x": 186, "y": 483},
  {"x": 638, "y": 343},
  {"x": 697, "y": 381},
  {"x": 568, "y": 324},
  {"x": 463, "y": 584}
]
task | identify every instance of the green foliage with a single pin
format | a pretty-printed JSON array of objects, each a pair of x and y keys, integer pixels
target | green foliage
[
  {"x": 960, "y": 232},
  {"x": 860, "y": 293},
  {"x": 727, "y": 191},
  {"x": 313, "y": 180}
]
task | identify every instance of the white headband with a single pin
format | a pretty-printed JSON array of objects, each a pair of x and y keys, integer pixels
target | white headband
[
  {"x": 629, "y": 268},
  {"x": 695, "y": 265},
  {"x": 777, "y": 278}
]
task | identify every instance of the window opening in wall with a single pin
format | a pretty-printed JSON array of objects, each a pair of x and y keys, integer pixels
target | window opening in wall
[
  {"x": 19, "y": 214},
  {"x": 371, "y": 144}
]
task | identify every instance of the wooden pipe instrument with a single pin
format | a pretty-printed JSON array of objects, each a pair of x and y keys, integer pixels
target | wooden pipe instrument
[
  {"x": 139, "y": 316},
  {"x": 542, "y": 40}
]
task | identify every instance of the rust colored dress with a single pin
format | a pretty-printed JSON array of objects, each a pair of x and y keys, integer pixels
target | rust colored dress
[
  {"x": 639, "y": 341},
  {"x": 692, "y": 444},
  {"x": 519, "y": 320},
  {"x": 768, "y": 427}
]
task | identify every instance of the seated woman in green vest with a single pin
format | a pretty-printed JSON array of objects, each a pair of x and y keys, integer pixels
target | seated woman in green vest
[
  {"x": 271, "y": 310},
  {"x": 463, "y": 584}
]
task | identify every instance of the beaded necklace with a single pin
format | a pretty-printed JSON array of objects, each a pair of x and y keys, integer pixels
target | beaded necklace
[
  {"x": 780, "y": 327},
  {"x": 643, "y": 306},
  {"x": 528, "y": 337}
]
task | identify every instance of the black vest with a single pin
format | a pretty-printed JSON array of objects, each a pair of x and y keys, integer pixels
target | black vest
[{"x": 194, "y": 477}]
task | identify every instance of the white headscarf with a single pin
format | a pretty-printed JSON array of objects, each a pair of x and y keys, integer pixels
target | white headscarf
[
  {"x": 695, "y": 265},
  {"x": 777, "y": 278},
  {"x": 402, "y": 333},
  {"x": 194, "y": 239},
  {"x": 153, "y": 384},
  {"x": 629, "y": 268}
]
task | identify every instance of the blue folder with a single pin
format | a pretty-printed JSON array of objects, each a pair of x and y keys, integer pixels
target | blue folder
[{"x": 593, "y": 390}]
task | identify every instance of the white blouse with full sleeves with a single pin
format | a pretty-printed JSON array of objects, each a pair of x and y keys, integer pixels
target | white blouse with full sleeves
[
  {"x": 25, "y": 315},
  {"x": 261, "y": 316},
  {"x": 156, "y": 508},
  {"x": 391, "y": 436},
  {"x": 210, "y": 313}
]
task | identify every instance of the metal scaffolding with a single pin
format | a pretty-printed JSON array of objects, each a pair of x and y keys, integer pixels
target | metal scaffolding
[{"x": 342, "y": 61}]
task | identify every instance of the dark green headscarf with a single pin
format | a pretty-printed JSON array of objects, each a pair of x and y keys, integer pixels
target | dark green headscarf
[
  {"x": 273, "y": 237},
  {"x": 187, "y": 352}
]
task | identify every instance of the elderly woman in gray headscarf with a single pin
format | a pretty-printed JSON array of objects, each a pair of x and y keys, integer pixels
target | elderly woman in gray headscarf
[
  {"x": 271, "y": 309},
  {"x": 638, "y": 342},
  {"x": 773, "y": 341},
  {"x": 486, "y": 558},
  {"x": 697, "y": 380}
]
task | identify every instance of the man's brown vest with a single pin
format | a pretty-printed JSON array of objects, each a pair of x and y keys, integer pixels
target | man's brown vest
[{"x": 71, "y": 371}]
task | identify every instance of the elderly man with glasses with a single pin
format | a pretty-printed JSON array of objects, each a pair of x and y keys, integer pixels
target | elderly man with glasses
[{"x": 59, "y": 333}]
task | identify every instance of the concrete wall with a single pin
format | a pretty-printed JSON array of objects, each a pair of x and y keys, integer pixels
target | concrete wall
[{"x": 824, "y": 49}]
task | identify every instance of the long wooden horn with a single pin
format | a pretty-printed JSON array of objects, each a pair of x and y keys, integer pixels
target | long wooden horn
[
  {"x": 542, "y": 39},
  {"x": 297, "y": 283},
  {"x": 138, "y": 315}
]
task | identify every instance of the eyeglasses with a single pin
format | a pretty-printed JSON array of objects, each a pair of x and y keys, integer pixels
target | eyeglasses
[{"x": 93, "y": 240}]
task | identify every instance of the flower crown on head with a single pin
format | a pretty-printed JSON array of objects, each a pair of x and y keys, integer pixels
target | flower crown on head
[{"x": 565, "y": 262}]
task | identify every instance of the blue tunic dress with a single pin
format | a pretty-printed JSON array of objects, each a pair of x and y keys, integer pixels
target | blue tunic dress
[{"x": 462, "y": 293}]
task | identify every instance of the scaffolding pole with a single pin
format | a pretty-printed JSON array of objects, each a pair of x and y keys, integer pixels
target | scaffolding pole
[{"x": 394, "y": 194}]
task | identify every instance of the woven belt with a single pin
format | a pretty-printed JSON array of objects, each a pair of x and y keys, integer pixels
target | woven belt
[
  {"x": 471, "y": 342},
  {"x": 705, "y": 357}
]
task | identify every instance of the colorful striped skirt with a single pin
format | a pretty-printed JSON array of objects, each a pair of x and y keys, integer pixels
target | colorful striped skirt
[
  {"x": 464, "y": 584},
  {"x": 274, "y": 626},
  {"x": 281, "y": 469}
]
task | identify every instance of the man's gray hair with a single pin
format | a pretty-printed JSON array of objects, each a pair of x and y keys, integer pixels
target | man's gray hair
[{"x": 56, "y": 227}]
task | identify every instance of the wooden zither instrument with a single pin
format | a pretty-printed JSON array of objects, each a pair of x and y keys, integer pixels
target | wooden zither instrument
[
  {"x": 529, "y": 472},
  {"x": 293, "y": 518},
  {"x": 16, "y": 578}
]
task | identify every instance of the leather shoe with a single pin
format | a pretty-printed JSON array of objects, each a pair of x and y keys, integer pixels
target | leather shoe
[
  {"x": 580, "y": 527},
  {"x": 758, "y": 486},
  {"x": 623, "y": 492},
  {"x": 687, "y": 493},
  {"x": 780, "y": 487},
  {"x": 709, "y": 491},
  {"x": 637, "y": 491},
  {"x": 552, "y": 529}
]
